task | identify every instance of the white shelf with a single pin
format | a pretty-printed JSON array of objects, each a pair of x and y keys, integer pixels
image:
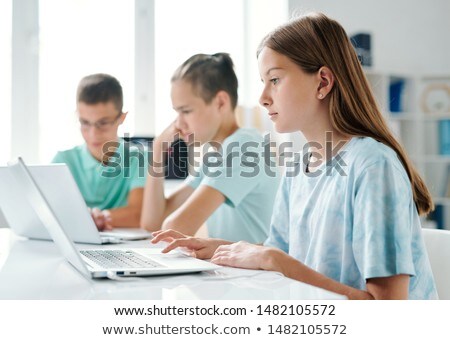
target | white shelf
[
  {"x": 432, "y": 159},
  {"x": 403, "y": 116},
  {"x": 406, "y": 116},
  {"x": 418, "y": 131},
  {"x": 442, "y": 200},
  {"x": 435, "y": 116}
]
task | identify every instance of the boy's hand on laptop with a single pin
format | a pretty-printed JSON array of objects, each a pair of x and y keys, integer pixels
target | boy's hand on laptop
[
  {"x": 102, "y": 219},
  {"x": 201, "y": 248}
]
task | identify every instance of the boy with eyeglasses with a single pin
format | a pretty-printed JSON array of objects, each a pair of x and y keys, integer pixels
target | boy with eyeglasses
[{"x": 111, "y": 185}]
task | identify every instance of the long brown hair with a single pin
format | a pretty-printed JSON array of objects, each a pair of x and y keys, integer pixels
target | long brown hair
[{"x": 313, "y": 41}]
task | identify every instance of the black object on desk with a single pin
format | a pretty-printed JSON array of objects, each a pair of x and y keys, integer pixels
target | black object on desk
[{"x": 176, "y": 166}]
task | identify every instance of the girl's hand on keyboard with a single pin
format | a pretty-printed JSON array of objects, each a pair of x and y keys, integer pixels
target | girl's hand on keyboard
[{"x": 201, "y": 248}]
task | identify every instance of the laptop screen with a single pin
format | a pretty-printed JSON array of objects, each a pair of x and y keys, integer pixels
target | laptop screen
[{"x": 32, "y": 193}]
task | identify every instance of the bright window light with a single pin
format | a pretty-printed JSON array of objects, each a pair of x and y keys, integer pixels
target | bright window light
[
  {"x": 184, "y": 28},
  {"x": 77, "y": 38},
  {"x": 5, "y": 80}
]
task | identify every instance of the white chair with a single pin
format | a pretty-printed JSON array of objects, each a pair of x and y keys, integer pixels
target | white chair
[{"x": 437, "y": 243}]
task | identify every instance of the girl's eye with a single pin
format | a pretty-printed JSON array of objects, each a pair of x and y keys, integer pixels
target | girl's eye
[
  {"x": 185, "y": 112},
  {"x": 274, "y": 81}
]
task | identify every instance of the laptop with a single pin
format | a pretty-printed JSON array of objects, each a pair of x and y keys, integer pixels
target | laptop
[
  {"x": 62, "y": 193},
  {"x": 3, "y": 222},
  {"x": 98, "y": 263}
]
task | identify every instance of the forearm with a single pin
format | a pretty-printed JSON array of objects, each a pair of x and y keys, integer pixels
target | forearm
[
  {"x": 194, "y": 211},
  {"x": 181, "y": 226},
  {"x": 125, "y": 217},
  {"x": 154, "y": 203},
  {"x": 277, "y": 260}
]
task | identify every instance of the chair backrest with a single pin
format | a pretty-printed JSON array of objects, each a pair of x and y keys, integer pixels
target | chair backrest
[{"x": 437, "y": 243}]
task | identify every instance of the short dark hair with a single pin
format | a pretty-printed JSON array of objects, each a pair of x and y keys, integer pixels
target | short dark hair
[
  {"x": 208, "y": 74},
  {"x": 100, "y": 88}
]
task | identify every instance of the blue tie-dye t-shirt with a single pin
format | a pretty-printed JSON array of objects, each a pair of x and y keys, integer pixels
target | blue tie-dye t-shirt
[{"x": 353, "y": 221}]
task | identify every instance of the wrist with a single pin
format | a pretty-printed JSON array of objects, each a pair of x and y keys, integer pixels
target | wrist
[
  {"x": 158, "y": 158},
  {"x": 271, "y": 259},
  {"x": 161, "y": 144}
]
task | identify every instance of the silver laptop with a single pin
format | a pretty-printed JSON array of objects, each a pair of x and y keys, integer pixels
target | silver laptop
[
  {"x": 98, "y": 263},
  {"x": 3, "y": 222},
  {"x": 62, "y": 193}
]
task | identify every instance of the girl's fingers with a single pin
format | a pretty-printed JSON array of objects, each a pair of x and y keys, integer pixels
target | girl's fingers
[
  {"x": 183, "y": 242},
  {"x": 166, "y": 234}
]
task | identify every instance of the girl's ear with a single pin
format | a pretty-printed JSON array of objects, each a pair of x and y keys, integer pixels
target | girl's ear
[{"x": 326, "y": 82}]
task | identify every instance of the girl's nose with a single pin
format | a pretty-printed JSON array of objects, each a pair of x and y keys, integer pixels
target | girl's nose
[{"x": 264, "y": 99}]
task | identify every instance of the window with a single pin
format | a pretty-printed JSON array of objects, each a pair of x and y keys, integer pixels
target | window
[
  {"x": 78, "y": 38},
  {"x": 184, "y": 28},
  {"x": 5, "y": 80}
]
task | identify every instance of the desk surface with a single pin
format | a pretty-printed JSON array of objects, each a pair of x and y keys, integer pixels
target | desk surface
[{"x": 36, "y": 270}]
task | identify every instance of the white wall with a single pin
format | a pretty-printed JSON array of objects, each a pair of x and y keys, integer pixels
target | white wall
[
  {"x": 5, "y": 80},
  {"x": 407, "y": 35}
]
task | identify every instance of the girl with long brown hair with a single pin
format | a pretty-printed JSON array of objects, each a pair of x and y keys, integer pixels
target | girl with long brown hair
[{"x": 348, "y": 219}]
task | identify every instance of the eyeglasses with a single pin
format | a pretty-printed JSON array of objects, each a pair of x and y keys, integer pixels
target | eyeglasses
[{"x": 101, "y": 125}]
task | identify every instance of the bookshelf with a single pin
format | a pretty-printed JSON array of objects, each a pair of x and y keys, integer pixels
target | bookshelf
[{"x": 417, "y": 108}]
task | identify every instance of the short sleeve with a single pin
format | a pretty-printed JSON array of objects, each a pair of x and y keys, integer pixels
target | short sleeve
[
  {"x": 279, "y": 226},
  {"x": 193, "y": 180},
  {"x": 382, "y": 226},
  {"x": 237, "y": 172},
  {"x": 138, "y": 168},
  {"x": 59, "y": 158}
]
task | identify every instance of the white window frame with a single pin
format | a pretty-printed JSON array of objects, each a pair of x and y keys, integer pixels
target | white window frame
[
  {"x": 25, "y": 125},
  {"x": 25, "y": 80}
]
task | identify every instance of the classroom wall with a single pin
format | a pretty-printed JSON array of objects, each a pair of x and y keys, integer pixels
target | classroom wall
[{"x": 407, "y": 35}]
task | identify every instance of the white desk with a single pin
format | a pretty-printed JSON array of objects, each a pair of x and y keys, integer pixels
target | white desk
[{"x": 36, "y": 270}]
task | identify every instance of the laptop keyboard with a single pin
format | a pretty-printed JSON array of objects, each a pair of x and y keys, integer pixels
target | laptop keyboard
[{"x": 119, "y": 259}]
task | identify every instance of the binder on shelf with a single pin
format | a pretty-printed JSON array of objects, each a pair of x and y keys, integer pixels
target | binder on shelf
[
  {"x": 396, "y": 88},
  {"x": 446, "y": 190},
  {"x": 444, "y": 136},
  {"x": 438, "y": 216}
]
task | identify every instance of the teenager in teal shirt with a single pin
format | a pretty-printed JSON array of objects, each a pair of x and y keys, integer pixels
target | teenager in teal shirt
[
  {"x": 233, "y": 192},
  {"x": 249, "y": 190},
  {"x": 109, "y": 172}
]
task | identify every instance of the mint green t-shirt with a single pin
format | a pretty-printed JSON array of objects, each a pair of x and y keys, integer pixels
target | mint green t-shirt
[
  {"x": 248, "y": 182},
  {"x": 106, "y": 186}
]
